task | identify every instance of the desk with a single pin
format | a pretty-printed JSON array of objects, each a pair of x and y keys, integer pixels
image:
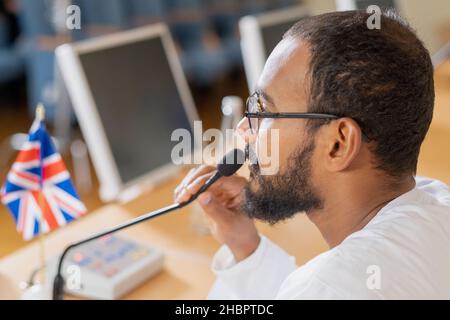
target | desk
[{"x": 186, "y": 274}]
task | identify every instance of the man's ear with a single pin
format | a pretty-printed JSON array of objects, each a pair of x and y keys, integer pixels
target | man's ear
[{"x": 343, "y": 144}]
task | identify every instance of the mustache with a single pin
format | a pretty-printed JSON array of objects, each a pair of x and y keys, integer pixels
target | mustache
[{"x": 254, "y": 170}]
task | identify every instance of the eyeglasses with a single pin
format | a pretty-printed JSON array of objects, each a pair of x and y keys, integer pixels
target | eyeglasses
[{"x": 254, "y": 112}]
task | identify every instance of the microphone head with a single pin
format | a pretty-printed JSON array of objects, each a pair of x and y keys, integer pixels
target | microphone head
[{"x": 231, "y": 162}]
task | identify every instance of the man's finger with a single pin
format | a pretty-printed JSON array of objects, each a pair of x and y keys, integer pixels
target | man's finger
[
  {"x": 192, "y": 175},
  {"x": 181, "y": 184},
  {"x": 193, "y": 187}
]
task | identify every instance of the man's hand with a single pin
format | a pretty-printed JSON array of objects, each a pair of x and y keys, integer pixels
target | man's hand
[{"x": 221, "y": 203}]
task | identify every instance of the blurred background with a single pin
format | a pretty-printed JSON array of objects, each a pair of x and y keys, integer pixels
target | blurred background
[{"x": 207, "y": 38}]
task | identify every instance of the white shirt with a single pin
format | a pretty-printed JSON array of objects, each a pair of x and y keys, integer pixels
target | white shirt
[{"x": 402, "y": 253}]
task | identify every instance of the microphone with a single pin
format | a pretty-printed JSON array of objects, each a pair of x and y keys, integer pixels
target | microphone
[
  {"x": 226, "y": 167},
  {"x": 229, "y": 164}
]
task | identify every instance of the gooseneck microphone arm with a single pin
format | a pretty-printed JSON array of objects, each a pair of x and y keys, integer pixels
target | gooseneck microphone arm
[
  {"x": 226, "y": 167},
  {"x": 58, "y": 284}
]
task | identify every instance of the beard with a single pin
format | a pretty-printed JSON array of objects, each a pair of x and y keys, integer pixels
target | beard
[{"x": 279, "y": 197}]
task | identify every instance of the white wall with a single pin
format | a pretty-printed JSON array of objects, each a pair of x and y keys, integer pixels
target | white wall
[{"x": 428, "y": 17}]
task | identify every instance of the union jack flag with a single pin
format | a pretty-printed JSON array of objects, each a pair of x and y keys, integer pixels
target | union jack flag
[{"x": 39, "y": 186}]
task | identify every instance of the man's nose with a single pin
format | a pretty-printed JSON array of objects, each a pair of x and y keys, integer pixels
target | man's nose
[{"x": 243, "y": 129}]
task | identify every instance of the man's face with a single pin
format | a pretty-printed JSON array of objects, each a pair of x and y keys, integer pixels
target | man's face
[{"x": 283, "y": 87}]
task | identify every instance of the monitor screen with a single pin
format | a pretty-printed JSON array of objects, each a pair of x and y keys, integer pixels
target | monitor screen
[{"x": 138, "y": 102}]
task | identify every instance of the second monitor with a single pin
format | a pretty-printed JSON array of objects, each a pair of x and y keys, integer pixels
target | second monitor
[{"x": 259, "y": 36}]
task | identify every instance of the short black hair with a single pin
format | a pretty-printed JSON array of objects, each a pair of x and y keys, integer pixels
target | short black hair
[{"x": 382, "y": 78}]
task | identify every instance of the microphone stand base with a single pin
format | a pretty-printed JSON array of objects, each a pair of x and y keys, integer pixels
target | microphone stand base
[{"x": 37, "y": 292}]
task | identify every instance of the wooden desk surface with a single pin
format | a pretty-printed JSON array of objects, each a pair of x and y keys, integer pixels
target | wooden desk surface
[{"x": 187, "y": 272}]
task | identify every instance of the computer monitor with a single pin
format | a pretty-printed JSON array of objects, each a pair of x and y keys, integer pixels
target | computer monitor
[
  {"x": 259, "y": 36},
  {"x": 343, "y": 5},
  {"x": 129, "y": 94}
]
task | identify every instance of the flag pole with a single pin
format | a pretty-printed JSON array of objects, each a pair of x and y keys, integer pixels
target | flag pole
[{"x": 40, "y": 115}]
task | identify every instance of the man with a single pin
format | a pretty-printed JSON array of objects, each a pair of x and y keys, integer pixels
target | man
[{"x": 351, "y": 167}]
